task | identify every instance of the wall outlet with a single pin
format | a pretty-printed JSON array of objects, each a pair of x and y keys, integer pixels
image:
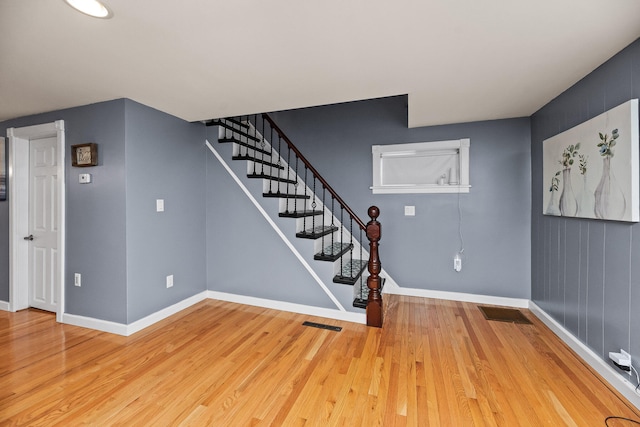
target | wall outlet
[
  {"x": 170, "y": 281},
  {"x": 457, "y": 262},
  {"x": 77, "y": 279}
]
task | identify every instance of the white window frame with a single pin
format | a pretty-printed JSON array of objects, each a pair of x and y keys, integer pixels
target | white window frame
[{"x": 458, "y": 148}]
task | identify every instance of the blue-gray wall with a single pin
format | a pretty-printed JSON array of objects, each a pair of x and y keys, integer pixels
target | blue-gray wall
[
  {"x": 245, "y": 255},
  {"x": 418, "y": 251},
  {"x": 165, "y": 159},
  {"x": 114, "y": 238},
  {"x": 96, "y": 245},
  {"x": 585, "y": 273}
]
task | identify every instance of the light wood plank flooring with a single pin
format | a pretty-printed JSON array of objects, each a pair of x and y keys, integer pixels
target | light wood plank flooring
[{"x": 435, "y": 363}]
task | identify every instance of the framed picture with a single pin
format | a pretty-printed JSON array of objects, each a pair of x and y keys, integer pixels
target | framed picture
[
  {"x": 83, "y": 155},
  {"x": 591, "y": 170},
  {"x": 3, "y": 170}
]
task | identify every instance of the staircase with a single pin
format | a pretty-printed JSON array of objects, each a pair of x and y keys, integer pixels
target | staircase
[{"x": 320, "y": 214}]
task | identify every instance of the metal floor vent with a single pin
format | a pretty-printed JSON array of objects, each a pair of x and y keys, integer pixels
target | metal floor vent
[
  {"x": 322, "y": 326},
  {"x": 504, "y": 315}
]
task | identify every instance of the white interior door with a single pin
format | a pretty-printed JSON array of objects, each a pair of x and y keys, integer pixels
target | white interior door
[
  {"x": 43, "y": 224},
  {"x": 36, "y": 195}
]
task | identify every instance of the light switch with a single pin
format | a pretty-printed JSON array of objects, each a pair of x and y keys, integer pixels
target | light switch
[
  {"x": 84, "y": 178},
  {"x": 160, "y": 205},
  {"x": 409, "y": 211}
]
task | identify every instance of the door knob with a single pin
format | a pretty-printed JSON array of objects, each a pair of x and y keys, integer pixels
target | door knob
[{"x": 29, "y": 237}]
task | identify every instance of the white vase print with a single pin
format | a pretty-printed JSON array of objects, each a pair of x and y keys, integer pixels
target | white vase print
[
  {"x": 568, "y": 203},
  {"x": 610, "y": 202}
]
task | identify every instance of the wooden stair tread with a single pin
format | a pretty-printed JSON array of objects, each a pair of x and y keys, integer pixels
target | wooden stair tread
[
  {"x": 261, "y": 161},
  {"x": 317, "y": 232},
  {"x": 244, "y": 144},
  {"x": 333, "y": 252},
  {"x": 236, "y": 131},
  {"x": 281, "y": 195},
  {"x": 351, "y": 271},
  {"x": 299, "y": 214},
  {"x": 271, "y": 178},
  {"x": 223, "y": 122}
]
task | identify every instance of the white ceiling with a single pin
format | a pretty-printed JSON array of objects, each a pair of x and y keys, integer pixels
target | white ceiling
[{"x": 458, "y": 60}]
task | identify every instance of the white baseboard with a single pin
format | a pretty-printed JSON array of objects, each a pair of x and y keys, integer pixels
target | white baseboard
[
  {"x": 138, "y": 325},
  {"x": 290, "y": 307},
  {"x": 4, "y": 306},
  {"x": 613, "y": 377},
  {"x": 126, "y": 330},
  {"x": 97, "y": 324},
  {"x": 458, "y": 296}
]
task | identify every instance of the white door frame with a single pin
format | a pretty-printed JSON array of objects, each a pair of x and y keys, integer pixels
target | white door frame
[{"x": 18, "y": 195}]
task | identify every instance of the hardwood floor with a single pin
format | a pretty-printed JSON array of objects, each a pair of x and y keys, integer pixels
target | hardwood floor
[{"x": 435, "y": 363}]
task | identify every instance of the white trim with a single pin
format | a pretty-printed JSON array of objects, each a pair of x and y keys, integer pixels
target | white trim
[
  {"x": 18, "y": 189},
  {"x": 389, "y": 283},
  {"x": 276, "y": 228},
  {"x": 149, "y": 320},
  {"x": 328, "y": 313},
  {"x": 4, "y": 306},
  {"x": 19, "y": 207},
  {"x": 617, "y": 380},
  {"x": 426, "y": 188},
  {"x": 96, "y": 324},
  {"x": 145, "y": 322},
  {"x": 457, "y": 150},
  {"x": 459, "y": 296},
  {"x": 138, "y": 325}
]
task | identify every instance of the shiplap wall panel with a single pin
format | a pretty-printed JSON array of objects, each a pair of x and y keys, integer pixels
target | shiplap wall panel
[
  {"x": 584, "y": 280},
  {"x": 572, "y": 275},
  {"x": 595, "y": 286},
  {"x": 586, "y": 273},
  {"x": 617, "y": 270}
]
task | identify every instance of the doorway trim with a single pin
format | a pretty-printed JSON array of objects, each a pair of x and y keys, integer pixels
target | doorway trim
[{"x": 19, "y": 212}]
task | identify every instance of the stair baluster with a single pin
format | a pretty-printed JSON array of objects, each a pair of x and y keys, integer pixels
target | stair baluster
[
  {"x": 261, "y": 154},
  {"x": 271, "y": 170},
  {"x": 341, "y": 236},
  {"x": 323, "y": 222}
]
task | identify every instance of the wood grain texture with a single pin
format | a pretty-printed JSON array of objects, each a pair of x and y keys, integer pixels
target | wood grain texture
[{"x": 435, "y": 363}]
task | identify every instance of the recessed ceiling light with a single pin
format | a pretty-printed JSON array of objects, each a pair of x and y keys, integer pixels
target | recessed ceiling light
[{"x": 91, "y": 7}]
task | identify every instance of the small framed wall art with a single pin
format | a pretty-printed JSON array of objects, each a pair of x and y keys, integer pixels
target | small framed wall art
[{"x": 83, "y": 155}]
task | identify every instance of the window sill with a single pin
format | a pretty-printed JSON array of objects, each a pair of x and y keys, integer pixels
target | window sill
[{"x": 421, "y": 189}]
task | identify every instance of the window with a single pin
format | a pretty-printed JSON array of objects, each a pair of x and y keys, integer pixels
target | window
[{"x": 423, "y": 167}]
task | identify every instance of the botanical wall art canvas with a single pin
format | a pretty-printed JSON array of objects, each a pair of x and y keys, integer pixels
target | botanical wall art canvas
[
  {"x": 591, "y": 170},
  {"x": 3, "y": 171}
]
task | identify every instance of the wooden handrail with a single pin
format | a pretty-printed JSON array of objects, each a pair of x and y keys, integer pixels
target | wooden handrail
[{"x": 315, "y": 172}]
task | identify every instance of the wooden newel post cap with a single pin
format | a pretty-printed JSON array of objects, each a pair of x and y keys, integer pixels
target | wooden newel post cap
[{"x": 374, "y": 212}]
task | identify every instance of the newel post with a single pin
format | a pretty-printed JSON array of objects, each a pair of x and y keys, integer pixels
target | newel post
[{"x": 374, "y": 282}]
